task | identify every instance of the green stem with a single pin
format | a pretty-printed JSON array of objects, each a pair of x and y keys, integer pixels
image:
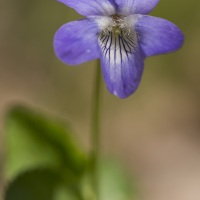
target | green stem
[{"x": 95, "y": 130}]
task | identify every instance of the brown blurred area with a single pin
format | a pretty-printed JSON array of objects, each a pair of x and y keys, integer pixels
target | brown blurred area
[{"x": 155, "y": 132}]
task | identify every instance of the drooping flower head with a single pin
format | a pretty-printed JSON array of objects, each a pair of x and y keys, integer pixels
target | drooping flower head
[{"x": 120, "y": 34}]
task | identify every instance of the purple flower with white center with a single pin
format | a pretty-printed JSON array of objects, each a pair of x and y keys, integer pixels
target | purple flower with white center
[{"x": 120, "y": 34}]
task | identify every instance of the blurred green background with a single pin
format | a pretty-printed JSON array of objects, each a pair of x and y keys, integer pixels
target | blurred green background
[{"x": 155, "y": 131}]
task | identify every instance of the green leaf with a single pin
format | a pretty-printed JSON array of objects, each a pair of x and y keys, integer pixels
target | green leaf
[
  {"x": 114, "y": 183},
  {"x": 39, "y": 185},
  {"x": 66, "y": 193},
  {"x": 34, "y": 141}
]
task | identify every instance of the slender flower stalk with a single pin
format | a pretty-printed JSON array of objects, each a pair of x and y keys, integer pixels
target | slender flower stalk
[{"x": 95, "y": 130}]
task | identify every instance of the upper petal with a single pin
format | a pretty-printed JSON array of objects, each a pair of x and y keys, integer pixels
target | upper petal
[
  {"x": 76, "y": 42},
  {"x": 127, "y": 7},
  {"x": 91, "y": 7},
  {"x": 122, "y": 63},
  {"x": 157, "y": 36}
]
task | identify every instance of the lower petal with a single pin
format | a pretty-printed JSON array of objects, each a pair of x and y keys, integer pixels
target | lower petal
[
  {"x": 122, "y": 63},
  {"x": 76, "y": 42},
  {"x": 157, "y": 36}
]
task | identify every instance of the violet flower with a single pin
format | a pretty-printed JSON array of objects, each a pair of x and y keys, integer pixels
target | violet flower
[{"x": 120, "y": 34}]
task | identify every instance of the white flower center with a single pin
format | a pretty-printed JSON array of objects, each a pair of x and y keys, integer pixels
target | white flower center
[
  {"x": 117, "y": 24},
  {"x": 118, "y": 41}
]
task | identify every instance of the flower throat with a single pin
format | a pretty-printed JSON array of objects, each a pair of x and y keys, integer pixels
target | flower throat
[
  {"x": 117, "y": 24},
  {"x": 117, "y": 36}
]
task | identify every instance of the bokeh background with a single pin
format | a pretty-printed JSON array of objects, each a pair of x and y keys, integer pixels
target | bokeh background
[{"x": 155, "y": 132}]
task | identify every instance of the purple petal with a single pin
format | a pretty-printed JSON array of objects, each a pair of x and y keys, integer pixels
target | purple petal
[
  {"x": 122, "y": 63},
  {"x": 127, "y": 7},
  {"x": 91, "y": 7},
  {"x": 157, "y": 36},
  {"x": 76, "y": 42},
  {"x": 144, "y": 6}
]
